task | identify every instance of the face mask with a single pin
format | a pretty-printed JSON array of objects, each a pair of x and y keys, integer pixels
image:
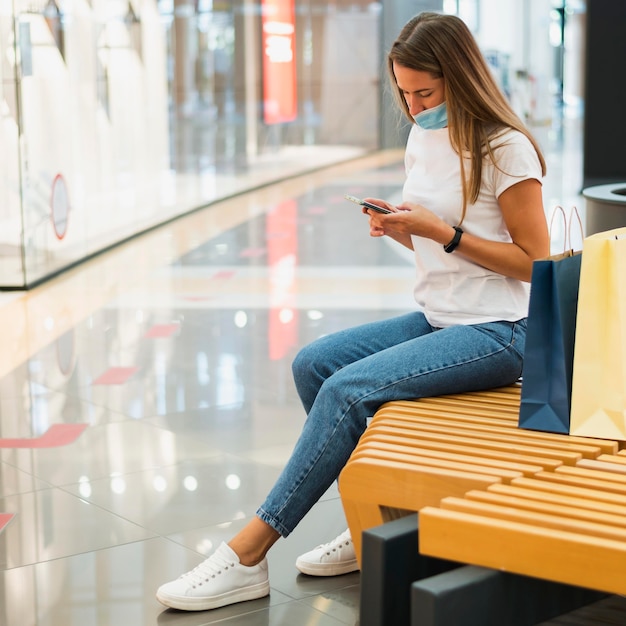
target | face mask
[{"x": 433, "y": 119}]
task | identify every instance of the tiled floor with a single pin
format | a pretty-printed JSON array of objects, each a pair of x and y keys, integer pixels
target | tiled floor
[{"x": 146, "y": 401}]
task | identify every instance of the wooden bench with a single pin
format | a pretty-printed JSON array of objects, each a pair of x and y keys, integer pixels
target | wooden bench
[
  {"x": 548, "y": 506},
  {"x": 568, "y": 526}
]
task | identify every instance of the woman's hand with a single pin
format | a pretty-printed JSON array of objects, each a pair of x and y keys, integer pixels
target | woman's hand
[
  {"x": 377, "y": 226},
  {"x": 523, "y": 213},
  {"x": 411, "y": 219},
  {"x": 376, "y": 229},
  {"x": 405, "y": 220}
]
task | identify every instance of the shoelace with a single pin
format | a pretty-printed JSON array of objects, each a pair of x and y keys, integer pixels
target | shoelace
[
  {"x": 338, "y": 542},
  {"x": 212, "y": 567}
]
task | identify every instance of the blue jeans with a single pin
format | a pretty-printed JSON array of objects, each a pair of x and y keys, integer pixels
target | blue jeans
[{"x": 343, "y": 378}]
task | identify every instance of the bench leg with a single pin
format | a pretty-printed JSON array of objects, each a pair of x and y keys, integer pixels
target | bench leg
[
  {"x": 478, "y": 596},
  {"x": 390, "y": 562}
]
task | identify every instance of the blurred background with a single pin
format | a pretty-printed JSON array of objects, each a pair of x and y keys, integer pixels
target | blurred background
[{"x": 119, "y": 115}]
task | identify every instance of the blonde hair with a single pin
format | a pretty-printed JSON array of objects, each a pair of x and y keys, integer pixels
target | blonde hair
[{"x": 478, "y": 111}]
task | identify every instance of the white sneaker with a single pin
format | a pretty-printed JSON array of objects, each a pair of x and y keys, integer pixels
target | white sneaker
[
  {"x": 218, "y": 581},
  {"x": 330, "y": 559}
]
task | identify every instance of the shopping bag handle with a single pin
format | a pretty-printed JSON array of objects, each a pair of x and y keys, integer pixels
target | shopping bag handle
[
  {"x": 574, "y": 213},
  {"x": 567, "y": 226}
]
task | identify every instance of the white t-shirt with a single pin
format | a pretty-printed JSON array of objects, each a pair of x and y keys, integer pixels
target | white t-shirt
[{"x": 450, "y": 288}]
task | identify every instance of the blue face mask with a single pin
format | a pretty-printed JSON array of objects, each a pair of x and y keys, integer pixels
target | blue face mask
[{"x": 433, "y": 119}]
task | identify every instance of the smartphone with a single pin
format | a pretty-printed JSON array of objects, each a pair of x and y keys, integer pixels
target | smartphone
[{"x": 367, "y": 205}]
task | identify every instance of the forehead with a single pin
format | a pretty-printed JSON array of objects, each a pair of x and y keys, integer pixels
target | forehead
[{"x": 411, "y": 80}]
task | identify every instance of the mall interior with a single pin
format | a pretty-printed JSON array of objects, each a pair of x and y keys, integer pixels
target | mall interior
[{"x": 173, "y": 229}]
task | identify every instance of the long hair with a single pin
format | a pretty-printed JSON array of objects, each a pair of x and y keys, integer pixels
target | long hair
[{"x": 478, "y": 111}]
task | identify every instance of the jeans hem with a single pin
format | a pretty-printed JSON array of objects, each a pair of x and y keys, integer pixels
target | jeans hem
[{"x": 264, "y": 516}]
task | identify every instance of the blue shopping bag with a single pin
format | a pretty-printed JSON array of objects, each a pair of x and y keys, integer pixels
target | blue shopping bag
[{"x": 549, "y": 353}]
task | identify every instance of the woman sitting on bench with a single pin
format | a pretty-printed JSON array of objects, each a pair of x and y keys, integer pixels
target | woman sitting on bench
[{"x": 472, "y": 212}]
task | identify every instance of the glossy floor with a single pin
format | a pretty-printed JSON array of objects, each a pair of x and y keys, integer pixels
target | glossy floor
[{"x": 146, "y": 401}]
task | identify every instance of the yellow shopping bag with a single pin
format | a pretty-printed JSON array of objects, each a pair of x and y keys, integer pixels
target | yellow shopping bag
[{"x": 599, "y": 371}]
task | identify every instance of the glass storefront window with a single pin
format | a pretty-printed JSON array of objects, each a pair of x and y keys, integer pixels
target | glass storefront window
[
  {"x": 218, "y": 80},
  {"x": 126, "y": 113}
]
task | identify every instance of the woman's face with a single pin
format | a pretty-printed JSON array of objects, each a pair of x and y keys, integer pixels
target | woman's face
[{"x": 420, "y": 90}]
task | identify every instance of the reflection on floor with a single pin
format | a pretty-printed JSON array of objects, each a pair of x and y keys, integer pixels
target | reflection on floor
[{"x": 146, "y": 401}]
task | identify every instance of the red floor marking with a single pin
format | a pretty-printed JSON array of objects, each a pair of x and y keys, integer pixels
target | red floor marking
[
  {"x": 252, "y": 252},
  {"x": 5, "y": 518},
  {"x": 115, "y": 376},
  {"x": 162, "y": 330},
  {"x": 317, "y": 210},
  {"x": 57, "y": 435},
  {"x": 198, "y": 298},
  {"x": 224, "y": 274}
]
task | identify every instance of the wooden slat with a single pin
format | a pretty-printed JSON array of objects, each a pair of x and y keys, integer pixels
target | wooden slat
[
  {"x": 395, "y": 416},
  {"x": 450, "y": 462},
  {"x": 553, "y": 487},
  {"x": 528, "y": 549},
  {"x": 490, "y": 443},
  {"x": 619, "y": 458},
  {"x": 502, "y": 398},
  {"x": 596, "y": 513},
  {"x": 603, "y": 465},
  {"x": 586, "y": 447},
  {"x": 582, "y": 481},
  {"x": 566, "y": 521},
  {"x": 389, "y": 442},
  {"x": 614, "y": 505},
  {"x": 508, "y": 414},
  {"x": 374, "y": 449},
  {"x": 547, "y": 458},
  {"x": 504, "y": 401},
  {"x": 594, "y": 473}
]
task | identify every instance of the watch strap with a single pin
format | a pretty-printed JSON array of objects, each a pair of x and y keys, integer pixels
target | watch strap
[{"x": 450, "y": 247}]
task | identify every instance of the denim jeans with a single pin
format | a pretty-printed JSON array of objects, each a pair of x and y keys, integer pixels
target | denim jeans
[{"x": 343, "y": 378}]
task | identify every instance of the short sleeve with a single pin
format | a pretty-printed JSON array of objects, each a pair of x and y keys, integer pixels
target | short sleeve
[{"x": 516, "y": 159}]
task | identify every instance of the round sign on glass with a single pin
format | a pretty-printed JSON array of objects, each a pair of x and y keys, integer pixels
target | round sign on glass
[{"x": 60, "y": 206}]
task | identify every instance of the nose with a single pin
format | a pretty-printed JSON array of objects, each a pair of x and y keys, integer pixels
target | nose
[{"x": 414, "y": 105}]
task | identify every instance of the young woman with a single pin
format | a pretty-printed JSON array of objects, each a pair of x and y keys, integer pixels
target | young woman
[{"x": 472, "y": 212}]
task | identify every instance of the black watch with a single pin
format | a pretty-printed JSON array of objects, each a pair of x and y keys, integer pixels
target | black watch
[{"x": 450, "y": 247}]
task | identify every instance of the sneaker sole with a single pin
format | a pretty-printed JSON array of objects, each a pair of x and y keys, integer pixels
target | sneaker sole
[
  {"x": 327, "y": 569},
  {"x": 185, "y": 603}
]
